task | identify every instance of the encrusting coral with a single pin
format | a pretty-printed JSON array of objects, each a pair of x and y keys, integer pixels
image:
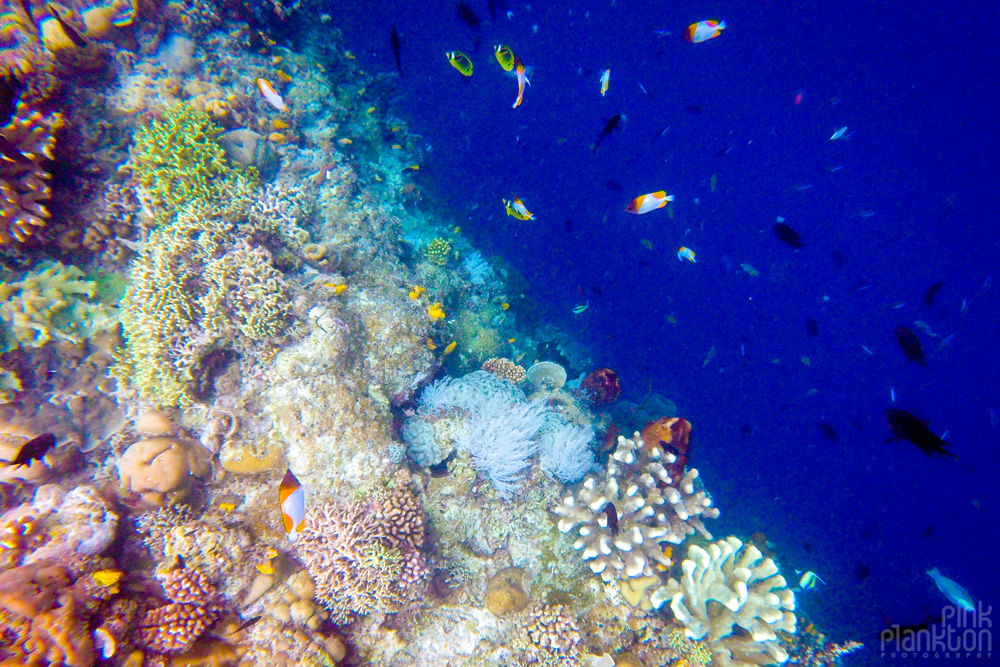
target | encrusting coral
[
  {"x": 726, "y": 585},
  {"x": 162, "y": 469},
  {"x": 623, "y": 521},
  {"x": 24, "y": 183}
]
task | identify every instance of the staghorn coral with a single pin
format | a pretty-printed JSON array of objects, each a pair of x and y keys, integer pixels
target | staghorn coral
[
  {"x": 53, "y": 302},
  {"x": 180, "y": 165},
  {"x": 727, "y": 585},
  {"x": 197, "y": 286},
  {"x": 364, "y": 557},
  {"x": 623, "y": 521},
  {"x": 24, "y": 183}
]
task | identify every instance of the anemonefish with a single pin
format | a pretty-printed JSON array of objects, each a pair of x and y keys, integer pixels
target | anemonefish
[
  {"x": 685, "y": 253},
  {"x": 272, "y": 97},
  {"x": 516, "y": 208},
  {"x": 702, "y": 31},
  {"x": 605, "y": 78},
  {"x": 292, "y": 499},
  {"x": 522, "y": 79},
  {"x": 460, "y": 61},
  {"x": 505, "y": 57},
  {"x": 650, "y": 202}
]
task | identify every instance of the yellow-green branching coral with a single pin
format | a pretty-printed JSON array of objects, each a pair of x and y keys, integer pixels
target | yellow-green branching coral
[{"x": 179, "y": 164}]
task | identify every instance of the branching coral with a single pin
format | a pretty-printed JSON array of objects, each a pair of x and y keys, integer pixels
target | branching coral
[
  {"x": 179, "y": 165},
  {"x": 197, "y": 286},
  {"x": 623, "y": 521},
  {"x": 727, "y": 585},
  {"x": 364, "y": 557},
  {"x": 53, "y": 302},
  {"x": 24, "y": 183}
]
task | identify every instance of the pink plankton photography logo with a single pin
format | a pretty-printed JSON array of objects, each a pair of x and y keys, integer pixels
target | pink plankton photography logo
[{"x": 956, "y": 634}]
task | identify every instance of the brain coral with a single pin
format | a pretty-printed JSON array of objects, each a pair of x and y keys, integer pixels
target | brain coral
[{"x": 24, "y": 183}]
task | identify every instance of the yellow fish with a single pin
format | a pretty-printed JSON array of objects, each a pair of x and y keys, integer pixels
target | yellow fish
[
  {"x": 107, "y": 577},
  {"x": 505, "y": 305},
  {"x": 227, "y": 507},
  {"x": 505, "y": 57},
  {"x": 417, "y": 291},
  {"x": 435, "y": 311},
  {"x": 451, "y": 348},
  {"x": 430, "y": 344},
  {"x": 460, "y": 61},
  {"x": 265, "y": 567},
  {"x": 516, "y": 208}
]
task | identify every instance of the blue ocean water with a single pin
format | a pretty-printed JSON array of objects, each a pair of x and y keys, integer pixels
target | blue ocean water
[{"x": 910, "y": 198}]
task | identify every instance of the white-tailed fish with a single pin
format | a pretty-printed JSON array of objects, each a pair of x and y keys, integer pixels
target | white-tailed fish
[
  {"x": 271, "y": 95},
  {"x": 648, "y": 202},
  {"x": 840, "y": 134},
  {"x": 605, "y": 80},
  {"x": 522, "y": 78},
  {"x": 292, "y": 500},
  {"x": 685, "y": 253},
  {"x": 460, "y": 61},
  {"x": 516, "y": 208},
  {"x": 955, "y": 593}
]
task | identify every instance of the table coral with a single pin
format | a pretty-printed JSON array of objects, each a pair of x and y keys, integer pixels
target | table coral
[
  {"x": 747, "y": 591},
  {"x": 24, "y": 183},
  {"x": 179, "y": 164},
  {"x": 53, "y": 302},
  {"x": 623, "y": 521}
]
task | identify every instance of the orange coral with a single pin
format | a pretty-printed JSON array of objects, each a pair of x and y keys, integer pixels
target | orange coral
[
  {"x": 673, "y": 434},
  {"x": 24, "y": 182}
]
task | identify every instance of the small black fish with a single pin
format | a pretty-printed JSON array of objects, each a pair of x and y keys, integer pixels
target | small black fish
[
  {"x": 912, "y": 348},
  {"x": 596, "y": 290},
  {"x": 862, "y": 571},
  {"x": 838, "y": 258},
  {"x": 612, "y": 514},
  {"x": 694, "y": 109},
  {"x": 569, "y": 226},
  {"x": 928, "y": 531},
  {"x": 609, "y": 127},
  {"x": 932, "y": 292},
  {"x": 246, "y": 624},
  {"x": 895, "y": 633},
  {"x": 33, "y": 450},
  {"x": 906, "y": 426},
  {"x": 614, "y": 186},
  {"x": 725, "y": 150},
  {"x": 71, "y": 32},
  {"x": 812, "y": 326},
  {"x": 745, "y": 430},
  {"x": 788, "y": 235},
  {"x": 466, "y": 13},
  {"x": 828, "y": 431},
  {"x": 858, "y": 426},
  {"x": 394, "y": 40},
  {"x": 10, "y": 151}
]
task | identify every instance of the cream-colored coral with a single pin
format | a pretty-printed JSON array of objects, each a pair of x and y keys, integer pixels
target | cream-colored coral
[
  {"x": 161, "y": 469},
  {"x": 727, "y": 585},
  {"x": 623, "y": 521},
  {"x": 24, "y": 184}
]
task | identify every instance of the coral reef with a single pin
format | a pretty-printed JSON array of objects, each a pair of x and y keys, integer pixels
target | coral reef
[
  {"x": 601, "y": 386},
  {"x": 178, "y": 164},
  {"x": 162, "y": 470},
  {"x": 52, "y": 303},
  {"x": 24, "y": 182},
  {"x": 193, "y": 605},
  {"x": 673, "y": 435},
  {"x": 623, "y": 521},
  {"x": 505, "y": 592},
  {"x": 728, "y": 585},
  {"x": 365, "y": 557},
  {"x": 506, "y": 369},
  {"x": 438, "y": 252}
]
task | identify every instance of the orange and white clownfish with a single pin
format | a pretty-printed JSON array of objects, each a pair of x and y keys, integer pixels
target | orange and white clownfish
[
  {"x": 702, "y": 31},
  {"x": 292, "y": 499},
  {"x": 651, "y": 202},
  {"x": 605, "y": 80},
  {"x": 272, "y": 97},
  {"x": 685, "y": 253},
  {"x": 516, "y": 208},
  {"x": 522, "y": 78}
]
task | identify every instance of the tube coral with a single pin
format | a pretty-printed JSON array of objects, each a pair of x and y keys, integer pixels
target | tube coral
[{"x": 24, "y": 183}]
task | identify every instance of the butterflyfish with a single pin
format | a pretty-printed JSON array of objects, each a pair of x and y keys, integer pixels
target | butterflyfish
[
  {"x": 292, "y": 499},
  {"x": 460, "y": 61},
  {"x": 271, "y": 95},
  {"x": 522, "y": 79},
  {"x": 605, "y": 79},
  {"x": 685, "y": 253},
  {"x": 649, "y": 202},
  {"x": 702, "y": 31},
  {"x": 516, "y": 208},
  {"x": 504, "y": 56}
]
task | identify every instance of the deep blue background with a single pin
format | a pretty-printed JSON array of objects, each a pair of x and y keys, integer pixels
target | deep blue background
[{"x": 916, "y": 83}]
